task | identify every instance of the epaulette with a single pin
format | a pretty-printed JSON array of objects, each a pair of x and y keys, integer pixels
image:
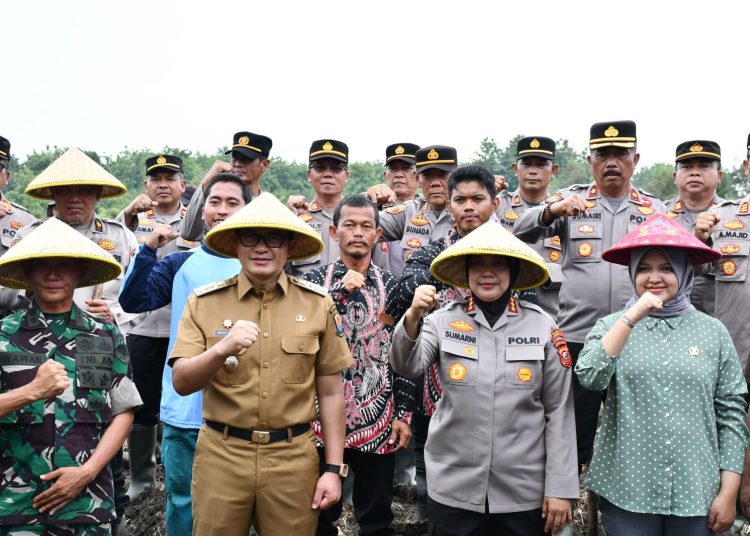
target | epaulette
[
  {"x": 728, "y": 202},
  {"x": 575, "y": 187},
  {"x": 644, "y": 192},
  {"x": 110, "y": 222},
  {"x": 20, "y": 207},
  {"x": 396, "y": 209},
  {"x": 317, "y": 289},
  {"x": 534, "y": 307},
  {"x": 216, "y": 285}
]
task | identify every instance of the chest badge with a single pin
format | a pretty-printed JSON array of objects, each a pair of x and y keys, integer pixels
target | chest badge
[
  {"x": 730, "y": 249},
  {"x": 646, "y": 210},
  {"x": 524, "y": 374},
  {"x": 586, "y": 229},
  {"x": 728, "y": 267},
  {"x": 469, "y": 351},
  {"x": 107, "y": 244},
  {"x": 457, "y": 372},
  {"x": 734, "y": 225},
  {"x": 231, "y": 363},
  {"x": 227, "y": 323},
  {"x": 414, "y": 243},
  {"x": 512, "y": 215},
  {"x": 554, "y": 256},
  {"x": 585, "y": 249},
  {"x": 420, "y": 220},
  {"x": 694, "y": 351},
  {"x": 461, "y": 325}
]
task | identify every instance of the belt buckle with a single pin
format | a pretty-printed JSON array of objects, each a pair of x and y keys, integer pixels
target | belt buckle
[{"x": 261, "y": 437}]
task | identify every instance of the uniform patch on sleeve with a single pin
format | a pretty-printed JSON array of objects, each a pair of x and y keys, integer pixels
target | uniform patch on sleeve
[
  {"x": 559, "y": 342},
  {"x": 334, "y": 312}
]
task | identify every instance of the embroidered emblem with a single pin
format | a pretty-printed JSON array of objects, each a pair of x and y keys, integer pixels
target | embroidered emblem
[
  {"x": 513, "y": 304},
  {"x": 734, "y": 224},
  {"x": 744, "y": 208},
  {"x": 469, "y": 350},
  {"x": 728, "y": 267},
  {"x": 589, "y": 203},
  {"x": 395, "y": 210},
  {"x": 556, "y": 241},
  {"x": 161, "y": 160},
  {"x": 419, "y": 220},
  {"x": 457, "y": 372},
  {"x": 534, "y": 144},
  {"x": 646, "y": 210},
  {"x": 399, "y": 150},
  {"x": 244, "y": 140},
  {"x": 730, "y": 249},
  {"x": 585, "y": 249},
  {"x": 315, "y": 205},
  {"x": 671, "y": 214},
  {"x": 227, "y": 323},
  {"x": 15, "y": 224},
  {"x": 695, "y": 148},
  {"x": 554, "y": 256},
  {"x": 611, "y": 132},
  {"x": 586, "y": 229},
  {"x": 306, "y": 218},
  {"x": 107, "y": 244},
  {"x": 462, "y": 325},
  {"x": 433, "y": 155},
  {"x": 512, "y": 215},
  {"x": 524, "y": 374},
  {"x": 414, "y": 243},
  {"x": 327, "y": 146}
]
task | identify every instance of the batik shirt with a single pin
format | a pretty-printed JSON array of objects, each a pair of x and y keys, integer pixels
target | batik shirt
[
  {"x": 374, "y": 396},
  {"x": 62, "y": 431}
]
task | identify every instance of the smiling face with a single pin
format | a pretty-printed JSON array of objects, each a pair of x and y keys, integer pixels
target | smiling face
[
  {"x": 489, "y": 276},
  {"x": 262, "y": 263},
  {"x": 655, "y": 275},
  {"x": 222, "y": 200},
  {"x": 53, "y": 282}
]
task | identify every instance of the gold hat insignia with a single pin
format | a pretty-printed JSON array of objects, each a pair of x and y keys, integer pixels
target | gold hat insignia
[
  {"x": 534, "y": 144},
  {"x": 611, "y": 132},
  {"x": 244, "y": 140},
  {"x": 399, "y": 150},
  {"x": 695, "y": 148},
  {"x": 161, "y": 160},
  {"x": 433, "y": 155},
  {"x": 327, "y": 146}
]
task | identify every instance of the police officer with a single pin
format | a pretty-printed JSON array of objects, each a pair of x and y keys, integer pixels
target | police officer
[
  {"x": 250, "y": 160},
  {"x": 67, "y": 397},
  {"x": 589, "y": 218},
  {"x": 263, "y": 346},
  {"x": 697, "y": 175},
  {"x": 501, "y": 452},
  {"x": 12, "y": 216},
  {"x": 155, "y": 218},
  {"x": 535, "y": 167}
]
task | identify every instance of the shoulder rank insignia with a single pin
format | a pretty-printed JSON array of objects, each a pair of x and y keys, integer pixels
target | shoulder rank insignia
[
  {"x": 734, "y": 225},
  {"x": 646, "y": 210},
  {"x": 593, "y": 191},
  {"x": 517, "y": 199},
  {"x": 317, "y": 289},
  {"x": 511, "y": 215},
  {"x": 671, "y": 214},
  {"x": 679, "y": 206},
  {"x": 315, "y": 206},
  {"x": 744, "y": 208},
  {"x": 461, "y": 325},
  {"x": 395, "y": 209},
  {"x": 216, "y": 285},
  {"x": 554, "y": 198},
  {"x": 513, "y": 305},
  {"x": 306, "y": 218},
  {"x": 150, "y": 213}
]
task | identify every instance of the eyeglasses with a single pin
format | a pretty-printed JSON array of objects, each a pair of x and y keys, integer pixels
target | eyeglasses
[
  {"x": 321, "y": 167},
  {"x": 273, "y": 240}
]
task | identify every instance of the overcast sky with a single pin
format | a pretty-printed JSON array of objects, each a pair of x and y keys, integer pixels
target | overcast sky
[{"x": 145, "y": 74}]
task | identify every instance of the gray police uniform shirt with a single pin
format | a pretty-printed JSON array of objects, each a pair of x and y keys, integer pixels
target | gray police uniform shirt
[
  {"x": 411, "y": 226},
  {"x": 156, "y": 323},
  {"x": 116, "y": 240},
  {"x": 703, "y": 295},
  {"x": 593, "y": 288},
  {"x": 320, "y": 220},
  {"x": 16, "y": 218},
  {"x": 512, "y": 206},
  {"x": 193, "y": 226},
  {"x": 731, "y": 237},
  {"x": 505, "y": 427}
]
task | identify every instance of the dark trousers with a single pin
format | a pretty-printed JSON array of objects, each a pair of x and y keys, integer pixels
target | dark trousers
[
  {"x": 118, "y": 481},
  {"x": 148, "y": 356},
  {"x": 587, "y": 404},
  {"x": 372, "y": 497},
  {"x": 445, "y": 520},
  {"x": 420, "y": 425}
]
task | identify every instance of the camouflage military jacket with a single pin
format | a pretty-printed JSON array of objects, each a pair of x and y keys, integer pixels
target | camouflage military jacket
[{"x": 62, "y": 431}]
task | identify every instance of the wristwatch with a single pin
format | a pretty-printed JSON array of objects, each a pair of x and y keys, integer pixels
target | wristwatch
[{"x": 341, "y": 470}]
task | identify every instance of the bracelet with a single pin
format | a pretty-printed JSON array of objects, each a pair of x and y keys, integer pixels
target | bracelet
[{"x": 627, "y": 321}]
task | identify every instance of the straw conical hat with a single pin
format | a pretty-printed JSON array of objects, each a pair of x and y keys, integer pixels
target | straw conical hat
[
  {"x": 490, "y": 239},
  {"x": 54, "y": 239},
  {"x": 265, "y": 212},
  {"x": 74, "y": 168},
  {"x": 660, "y": 230}
]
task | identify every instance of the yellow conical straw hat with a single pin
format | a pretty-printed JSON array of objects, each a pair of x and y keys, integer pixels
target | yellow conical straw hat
[
  {"x": 54, "y": 239},
  {"x": 74, "y": 168},
  {"x": 265, "y": 212},
  {"x": 490, "y": 239}
]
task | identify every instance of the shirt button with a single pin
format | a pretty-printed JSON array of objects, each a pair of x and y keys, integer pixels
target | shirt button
[
  {"x": 262, "y": 424},
  {"x": 265, "y": 365},
  {"x": 264, "y": 395},
  {"x": 265, "y": 306},
  {"x": 265, "y": 334},
  {"x": 301, "y": 347}
]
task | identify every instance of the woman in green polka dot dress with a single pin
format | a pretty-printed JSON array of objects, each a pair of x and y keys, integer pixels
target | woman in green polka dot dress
[{"x": 668, "y": 457}]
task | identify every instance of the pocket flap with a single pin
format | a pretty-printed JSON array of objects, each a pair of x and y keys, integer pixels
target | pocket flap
[
  {"x": 462, "y": 349},
  {"x": 585, "y": 229},
  {"x": 300, "y": 344}
]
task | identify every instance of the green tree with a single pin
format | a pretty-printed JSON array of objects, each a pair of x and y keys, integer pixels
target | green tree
[{"x": 656, "y": 179}]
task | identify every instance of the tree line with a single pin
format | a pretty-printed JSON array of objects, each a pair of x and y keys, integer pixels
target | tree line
[{"x": 284, "y": 178}]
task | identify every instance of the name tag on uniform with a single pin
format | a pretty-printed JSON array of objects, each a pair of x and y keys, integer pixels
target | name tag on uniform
[
  {"x": 94, "y": 359},
  {"x": 22, "y": 358},
  {"x": 524, "y": 348}
]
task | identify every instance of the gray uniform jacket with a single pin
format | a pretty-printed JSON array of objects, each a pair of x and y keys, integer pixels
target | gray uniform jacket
[
  {"x": 16, "y": 218},
  {"x": 731, "y": 237},
  {"x": 504, "y": 429},
  {"x": 512, "y": 206},
  {"x": 412, "y": 225},
  {"x": 120, "y": 242},
  {"x": 156, "y": 323},
  {"x": 703, "y": 295},
  {"x": 593, "y": 288}
]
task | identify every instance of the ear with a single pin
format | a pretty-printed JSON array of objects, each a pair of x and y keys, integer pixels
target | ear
[
  {"x": 636, "y": 158},
  {"x": 495, "y": 204},
  {"x": 264, "y": 165},
  {"x": 514, "y": 167},
  {"x": 555, "y": 169},
  {"x": 674, "y": 177},
  {"x": 332, "y": 232}
]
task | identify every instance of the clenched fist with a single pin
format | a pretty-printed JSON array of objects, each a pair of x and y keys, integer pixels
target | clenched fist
[
  {"x": 297, "y": 204},
  {"x": 425, "y": 298},
  {"x": 645, "y": 304},
  {"x": 51, "y": 380},
  {"x": 353, "y": 280},
  {"x": 242, "y": 335},
  {"x": 161, "y": 236},
  {"x": 570, "y": 206},
  {"x": 704, "y": 225}
]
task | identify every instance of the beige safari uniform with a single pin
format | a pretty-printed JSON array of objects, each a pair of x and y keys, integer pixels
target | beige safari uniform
[
  {"x": 16, "y": 218},
  {"x": 731, "y": 237},
  {"x": 703, "y": 295},
  {"x": 236, "y": 482},
  {"x": 156, "y": 323},
  {"x": 511, "y": 207},
  {"x": 413, "y": 224},
  {"x": 120, "y": 242},
  {"x": 593, "y": 288}
]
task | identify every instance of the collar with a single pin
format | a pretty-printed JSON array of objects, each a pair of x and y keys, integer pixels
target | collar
[
  {"x": 340, "y": 269},
  {"x": 672, "y": 321},
  {"x": 204, "y": 247},
  {"x": 244, "y": 285},
  {"x": 476, "y": 313},
  {"x": 177, "y": 215},
  {"x": 95, "y": 226},
  {"x": 35, "y": 319},
  {"x": 679, "y": 205}
]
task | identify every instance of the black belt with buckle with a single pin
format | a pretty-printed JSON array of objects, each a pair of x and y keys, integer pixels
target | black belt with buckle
[{"x": 259, "y": 436}]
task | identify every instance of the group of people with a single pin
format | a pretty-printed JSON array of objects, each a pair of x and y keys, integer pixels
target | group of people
[{"x": 281, "y": 344}]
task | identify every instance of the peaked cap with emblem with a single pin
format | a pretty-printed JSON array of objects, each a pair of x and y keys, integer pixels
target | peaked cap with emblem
[
  {"x": 53, "y": 239},
  {"x": 612, "y": 134},
  {"x": 660, "y": 230},
  {"x": 338, "y": 150},
  {"x": 490, "y": 238},
  {"x": 4, "y": 148},
  {"x": 74, "y": 168},
  {"x": 709, "y": 150},
  {"x": 437, "y": 157},
  {"x": 251, "y": 145},
  {"x": 163, "y": 162},
  {"x": 406, "y": 152},
  {"x": 538, "y": 146},
  {"x": 265, "y": 212}
]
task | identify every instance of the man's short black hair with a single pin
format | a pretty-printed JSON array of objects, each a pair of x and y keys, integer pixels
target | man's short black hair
[
  {"x": 472, "y": 174},
  {"x": 355, "y": 201},
  {"x": 228, "y": 177}
]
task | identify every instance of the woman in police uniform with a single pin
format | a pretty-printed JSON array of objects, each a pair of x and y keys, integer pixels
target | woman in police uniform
[{"x": 501, "y": 452}]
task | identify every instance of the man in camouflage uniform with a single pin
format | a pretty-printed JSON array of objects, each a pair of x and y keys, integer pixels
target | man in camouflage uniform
[
  {"x": 68, "y": 396},
  {"x": 535, "y": 167},
  {"x": 589, "y": 218},
  {"x": 12, "y": 216},
  {"x": 697, "y": 174}
]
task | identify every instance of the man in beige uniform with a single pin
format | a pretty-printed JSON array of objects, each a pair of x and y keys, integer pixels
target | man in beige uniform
[{"x": 263, "y": 346}]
